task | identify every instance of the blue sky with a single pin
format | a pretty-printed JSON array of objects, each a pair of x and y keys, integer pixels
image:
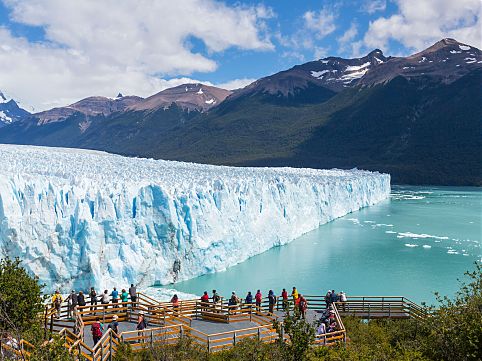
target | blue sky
[{"x": 54, "y": 52}]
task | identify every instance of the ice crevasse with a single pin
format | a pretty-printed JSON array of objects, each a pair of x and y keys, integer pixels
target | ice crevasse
[{"x": 81, "y": 218}]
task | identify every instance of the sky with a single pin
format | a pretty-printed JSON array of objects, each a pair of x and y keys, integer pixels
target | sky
[{"x": 55, "y": 52}]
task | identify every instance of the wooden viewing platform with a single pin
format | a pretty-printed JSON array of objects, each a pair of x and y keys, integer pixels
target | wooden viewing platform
[{"x": 214, "y": 326}]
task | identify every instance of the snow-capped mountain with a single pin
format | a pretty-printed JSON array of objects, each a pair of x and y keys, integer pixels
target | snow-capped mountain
[
  {"x": 10, "y": 112},
  {"x": 91, "y": 106},
  {"x": 445, "y": 61},
  {"x": 333, "y": 73},
  {"x": 82, "y": 218},
  {"x": 189, "y": 97}
]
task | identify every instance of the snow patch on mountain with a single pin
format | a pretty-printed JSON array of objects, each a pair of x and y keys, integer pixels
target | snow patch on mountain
[{"x": 80, "y": 218}]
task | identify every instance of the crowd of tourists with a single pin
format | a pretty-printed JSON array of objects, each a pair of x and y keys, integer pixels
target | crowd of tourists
[
  {"x": 75, "y": 299},
  {"x": 286, "y": 302},
  {"x": 327, "y": 322}
]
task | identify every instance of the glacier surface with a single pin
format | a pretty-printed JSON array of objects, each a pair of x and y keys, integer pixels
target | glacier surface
[{"x": 80, "y": 218}]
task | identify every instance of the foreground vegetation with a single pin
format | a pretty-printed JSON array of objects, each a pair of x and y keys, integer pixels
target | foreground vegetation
[{"x": 452, "y": 332}]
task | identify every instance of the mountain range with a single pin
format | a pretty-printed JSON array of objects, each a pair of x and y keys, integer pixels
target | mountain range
[{"x": 417, "y": 118}]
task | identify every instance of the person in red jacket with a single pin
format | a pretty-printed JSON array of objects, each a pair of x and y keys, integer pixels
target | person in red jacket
[
  {"x": 284, "y": 297},
  {"x": 303, "y": 306},
  {"x": 205, "y": 301},
  {"x": 258, "y": 297}
]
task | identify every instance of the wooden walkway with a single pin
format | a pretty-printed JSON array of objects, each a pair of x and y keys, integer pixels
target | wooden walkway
[{"x": 214, "y": 326}]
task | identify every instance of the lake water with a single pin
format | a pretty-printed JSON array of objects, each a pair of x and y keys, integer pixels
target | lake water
[{"x": 419, "y": 241}]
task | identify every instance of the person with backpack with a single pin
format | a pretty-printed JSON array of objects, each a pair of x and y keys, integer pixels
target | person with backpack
[
  {"x": 57, "y": 302},
  {"x": 115, "y": 297},
  {"x": 216, "y": 299},
  {"x": 284, "y": 297},
  {"x": 233, "y": 302},
  {"x": 93, "y": 297},
  {"x": 141, "y": 324},
  {"x": 96, "y": 329},
  {"x": 258, "y": 298},
  {"x": 303, "y": 307},
  {"x": 133, "y": 294},
  {"x": 114, "y": 325},
  {"x": 73, "y": 301},
  {"x": 271, "y": 302},
  {"x": 81, "y": 299}
]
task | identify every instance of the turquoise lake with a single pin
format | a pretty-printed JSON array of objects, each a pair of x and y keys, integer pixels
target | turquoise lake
[{"x": 419, "y": 241}]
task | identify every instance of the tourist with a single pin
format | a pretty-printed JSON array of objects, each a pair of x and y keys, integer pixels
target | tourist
[
  {"x": 321, "y": 330},
  {"x": 93, "y": 297},
  {"x": 114, "y": 325},
  {"x": 57, "y": 302},
  {"x": 205, "y": 301},
  {"x": 96, "y": 329},
  {"x": 175, "y": 305},
  {"x": 328, "y": 299},
  {"x": 72, "y": 301},
  {"x": 216, "y": 299},
  {"x": 115, "y": 297},
  {"x": 258, "y": 298},
  {"x": 124, "y": 297},
  {"x": 141, "y": 324},
  {"x": 249, "y": 298},
  {"x": 284, "y": 297},
  {"x": 334, "y": 297},
  {"x": 303, "y": 306},
  {"x": 271, "y": 302},
  {"x": 233, "y": 302},
  {"x": 133, "y": 294},
  {"x": 81, "y": 299},
  {"x": 331, "y": 327},
  {"x": 104, "y": 299},
  {"x": 294, "y": 294},
  {"x": 343, "y": 300}
]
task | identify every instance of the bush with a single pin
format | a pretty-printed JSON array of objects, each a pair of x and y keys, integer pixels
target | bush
[{"x": 20, "y": 297}]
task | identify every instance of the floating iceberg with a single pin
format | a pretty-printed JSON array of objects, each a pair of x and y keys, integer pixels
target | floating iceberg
[{"x": 79, "y": 218}]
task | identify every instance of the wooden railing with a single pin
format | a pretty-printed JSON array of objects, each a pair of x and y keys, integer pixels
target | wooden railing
[
  {"x": 370, "y": 307},
  {"x": 168, "y": 323}
]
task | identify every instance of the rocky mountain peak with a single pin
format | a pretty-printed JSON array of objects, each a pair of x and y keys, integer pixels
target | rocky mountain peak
[
  {"x": 10, "y": 112},
  {"x": 191, "y": 97}
]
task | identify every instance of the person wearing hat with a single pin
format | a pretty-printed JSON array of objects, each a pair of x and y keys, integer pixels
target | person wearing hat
[
  {"x": 114, "y": 325},
  {"x": 141, "y": 324},
  {"x": 57, "y": 302},
  {"x": 343, "y": 300}
]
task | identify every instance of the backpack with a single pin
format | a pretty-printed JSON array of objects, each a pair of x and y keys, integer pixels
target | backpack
[
  {"x": 96, "y": 330},
  {"x": 216, "y": 298}
]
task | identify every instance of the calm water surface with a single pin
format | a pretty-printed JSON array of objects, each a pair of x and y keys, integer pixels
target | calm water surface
[{"x": 419, "y": 241}]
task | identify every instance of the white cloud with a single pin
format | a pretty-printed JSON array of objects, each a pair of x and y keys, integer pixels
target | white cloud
[
  {"x": 236, "y": 83},
  {"x": 418, "y": 24},
  {"x": 346, "y": 42},
  {"x": 372, "y": 6},
  {"x": 349, "y": 34},
  {"x": 316, "y": 25},
  {"x": 322, "y": 22},
  {"x": 102, "y": 47}
]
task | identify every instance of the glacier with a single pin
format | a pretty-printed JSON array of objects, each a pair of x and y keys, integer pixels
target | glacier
[{"x": 80, "y": 218}]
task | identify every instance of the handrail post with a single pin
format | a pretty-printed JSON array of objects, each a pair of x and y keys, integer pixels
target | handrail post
[
  {"x": 368, "y": 312},
  {"x": 389, "y": 310},
  {"x": 209, "y": 344},
  {"x": 259, "y": 334},
  {"x": 234, "y": 338},
  {"x": 152, "y": 338},
  {"x": 110, "y": 347}
]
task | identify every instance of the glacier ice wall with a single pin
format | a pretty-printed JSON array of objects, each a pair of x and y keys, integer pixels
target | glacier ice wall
[{"x": 80, "y": 218}]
